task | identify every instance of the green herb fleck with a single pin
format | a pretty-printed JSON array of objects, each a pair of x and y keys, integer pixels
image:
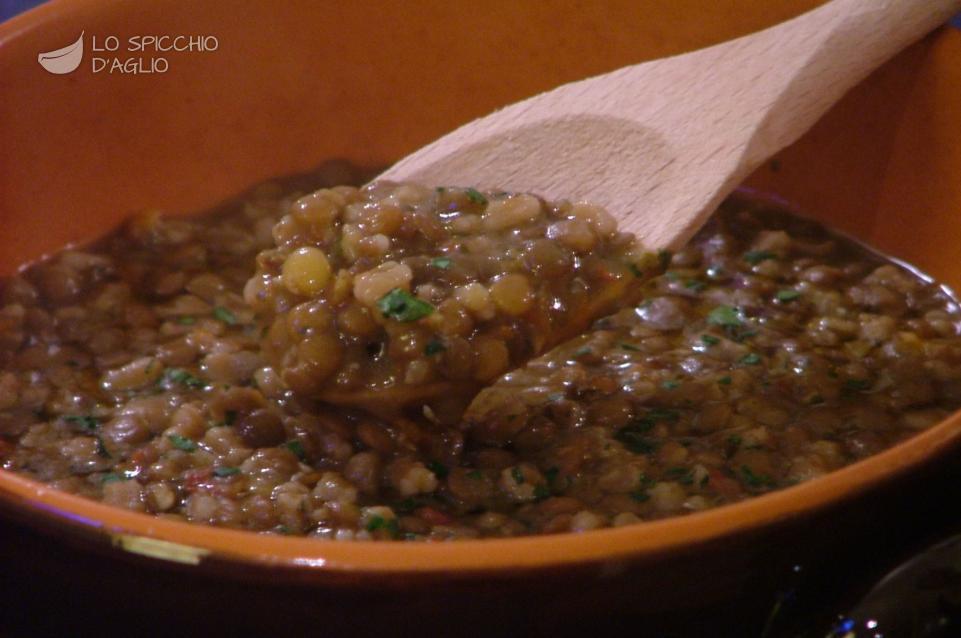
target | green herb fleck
[
  {"x": 297, "y": 448},
  {"x": 725, "y": 316},
  {"x": 182, "y": 443},
  {"x": 223, "y": 472},
  {"x": 634, "y": 437},
  {"x": 225, "y": 315},
  {"x": 580, "y": 352},
  {"x": 715, "y": 272},
  {"x": 630, "y": 347},
  {"x": 856, "y": 385},
  {"x": 671, "y": 384},
  {"x": 438, "y": 468},
  {"x": 551, "y": 475},
  {"x": 734, "y": 440},
  {"x": 554, "y": 397},
  {"x": 101, "y": 448},
  {"x": 517, "y": 475},
  {"x": 787, "y": 295},
  {"x": 755, "y": 480},
  {"x": 640, "y": 496},
  {"x": 441, "y": 262},
  {"x": 754, "y": 257},
  {"x": 682, "y": 475},
  {"x": 379, "y": 522},
  {"x": 664, "y": 257},
  {"x": 434, "y": 346},
  {"x": 178, "y": 375},
  {"x": 475, "y": 475},
  {"x": 725, "y": 380},
  {"x": 695, "y": 285},
  {"x": 710, "y": 340},
  {"x": 750, "y": 359},
  {"x": 83, "y": 421},
  {"x": 186, "y": 320},
  {"x": 402, "y": 306},
  {"x": 476, "y": 197},
  {"x": 541, "y": 492},
  {"x": 112, "y": 477}
]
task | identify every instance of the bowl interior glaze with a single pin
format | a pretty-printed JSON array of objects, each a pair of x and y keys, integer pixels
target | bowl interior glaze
[{"x": 287, "y": 89}]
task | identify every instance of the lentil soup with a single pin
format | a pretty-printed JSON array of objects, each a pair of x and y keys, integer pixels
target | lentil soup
[{"x": 308, "y": 363}]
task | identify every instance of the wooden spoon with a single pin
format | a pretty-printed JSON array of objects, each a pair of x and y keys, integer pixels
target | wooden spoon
[{"x": 660, "y": 144}]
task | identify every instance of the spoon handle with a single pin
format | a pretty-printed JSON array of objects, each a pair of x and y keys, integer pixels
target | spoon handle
[
  {"x": 660, "y": 144},
  {"x": 821, "y": 55}
]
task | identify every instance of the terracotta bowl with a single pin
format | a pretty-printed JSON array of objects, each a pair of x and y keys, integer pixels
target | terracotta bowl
[{"x": 293, "y": 84}]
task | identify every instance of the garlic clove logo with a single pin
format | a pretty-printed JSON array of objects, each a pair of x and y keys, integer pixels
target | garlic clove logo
[{"x": 63, "y": 60}]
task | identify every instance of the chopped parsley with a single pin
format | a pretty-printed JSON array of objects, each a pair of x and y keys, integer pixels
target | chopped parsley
[
  {"x": 438, "y": 468},
  {"x": 297, "y": 448},
  {"x": 731, "y": 320},
  {"x": 517, "y": 475},
  {"x": 226, "y": 471},
  {"x": 84, "y": 421},
  {"x": 475, "y": 475},
  {"x": 387, "y": 524},
  {"x": 441, "y": 262},
  {"x": 113, "y": 477},
  {"x": 101, "y": 448},
  {"x": 683, "y": 475},
  {"x": 664, "y": 257},
  {"x": 754, "y": 257},
  {"x": 856, "y": 385},
  {"x": 695, "y": 285},
  {"x": 182, "y": 443},
  {"x": 786, "y": 295},
  {"x": 551, "y": 475},
  {"x": 635, "y": 270},
  {"x": 725, "y": 380},
  {"x": 671, "y": 384},
  {"x": 755, "y": 480},
  {"x": 400, "y": 305},
  {"x": 186, "y": 320},
  {"x": 710, "y": 340},
  {"x": 734, "y": 440},
  {"x": 634, "y": 436},
  {"x": 225, "y": 315},
  {"x": 750, "y": 359},
  {"x": 640, "y": 495},
  {"x": 630, "y": 347},
  {"x": 476, "y": 197},
  {"x": 434, "y": 346},
  {"x": 181, "y": 376},
  {"x": 725, "y": 316},
  {"x": 541, "y": 492},
  {"x": 580, "y": 352}
]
